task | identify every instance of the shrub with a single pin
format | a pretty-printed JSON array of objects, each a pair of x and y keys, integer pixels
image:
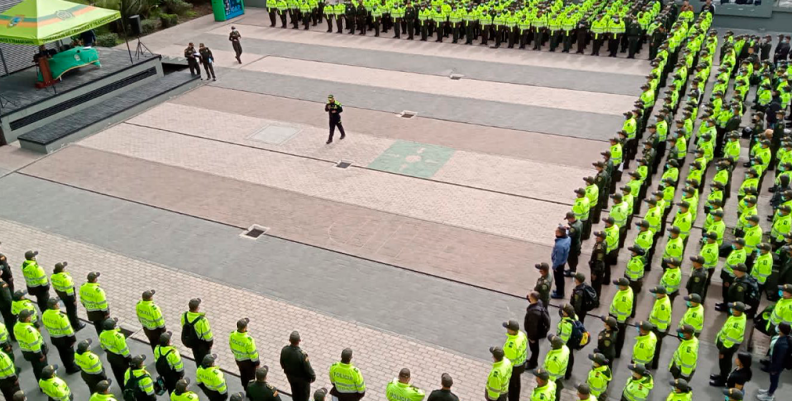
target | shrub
[
  {"x": 148, "y": 26},
  {"x": 178, "y": 7},
  {"x": 107, "y": 40},
  {"x": 169, "y": 20}
]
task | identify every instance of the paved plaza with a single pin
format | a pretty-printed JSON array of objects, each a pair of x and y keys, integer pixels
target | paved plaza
[{"x": 413, "y": 255}]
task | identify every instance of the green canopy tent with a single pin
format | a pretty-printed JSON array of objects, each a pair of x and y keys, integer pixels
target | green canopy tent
[{"x": 37, "y": 22}]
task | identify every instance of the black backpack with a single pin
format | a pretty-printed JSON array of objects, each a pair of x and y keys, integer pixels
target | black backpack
[
  {"x": 751, "y": 290},
  {"x": 162, "y": 365},
  {"x": 590, "y": 298},
  {"x": 132, "y": 386},
  {"x": 189, "y": 336},
  {"x": 544, "y": 323}
]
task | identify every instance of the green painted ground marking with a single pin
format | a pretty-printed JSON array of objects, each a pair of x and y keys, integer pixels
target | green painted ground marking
[{"x": 413, "y": 159}]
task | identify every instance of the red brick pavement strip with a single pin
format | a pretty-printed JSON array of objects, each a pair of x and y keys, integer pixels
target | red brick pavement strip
[
  {"x": 520, "y": 144},
  {"x": 484, "y": 260}
]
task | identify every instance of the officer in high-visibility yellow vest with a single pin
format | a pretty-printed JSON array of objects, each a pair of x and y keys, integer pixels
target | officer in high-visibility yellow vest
[
  {"x": 645, "y": 344},
  {"x": 499, "y": 376},
  {"x": 347, "y": 381},
  {"x": 638, "y": 385},
  {"x": 545, "y": 389},
  {"x": 103, "y": 393},
  {"x": 729, "y": 338},
  {"x": 9, "y": 382},
  {"x": 64, "y": 287},
  {"x": 515, "y": 349},
  {"x": 211, "y": 379},
  {"x": 600, "y": 376},
  {"x": 33, "y": 347},
  {"x": 556, "y": 362},
  {"x": 243, "y": 346},
  {"x": 21, "y": 303},
  {"x": 694, "y": 315},
  {"x": 139, "y": 380},
  {"x": 168, "y": 361},
  {"x": 53, "y": 386},
  {"x": 114, "y": 343},
  {"x": 199, "y": 328},
  {"x": 680, "y": 391},
  {"x": 150, "y": 317},
  {"x": 400, "y": 389},
  {"x": 94, "y": 300},
  {"x": 91, "y": 369},
  {"x": 672, "y": 278},
  {"x": 61, "y": 334},
  {"x": 683, "y": 363},
  {"x": 581, "y": 208},
  {"x": 182, "y": 394},
  {"x": 781, "y": 311},
  {"x": 620, "y": 308},
  {"x": 660, "y": 317},
  {"x": 36, "y": 279}
]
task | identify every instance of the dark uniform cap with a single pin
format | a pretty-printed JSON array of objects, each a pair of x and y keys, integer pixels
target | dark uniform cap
[
  {"x": 181, "y": 385},
  {"x": 148, "y": 294},
  {"x": 512, "y": 325},
  {"x": 104, "y": 386},
  {"x": 541, "y": 373},
  {"x": 611, "y": 322},
  {"x": 645, "y": 325},
  {"x": 497, "y": 352},
  {"x": 634, "y": 174},
  {"x": 598, "y": 164},
  {"x": 30, "y": 254},
  {"x": 19, "y": 294},
  {"x": 598, "y": 358},
  {"x": 616, "y": 196},
  {"x": 165, "y": 338},
  {"x": 753, "y": 218},
  {"x": 320, "y": 394},
  {"x": 52, "y": 302},
  {"x": 764, "y": 246},
  {"x": 786, "y": 288},
  {"x": 241, "y": 396},
  {"x": 137, "y": 360},
  {"x": 643, "y": 223},
  {"x": 25, "y": 313},
  {"x": 580, "y": 277},
  {"x": 61, "y": 265},
  {"x": 242, "y": 323},
  {"x": 740, "y": 267},
  {"x": 83, "y": 345},
  {"x": 599, "y": 234},
  {"x": 542, "y": 266},
  {"x": 718, "y": 213},
  {"x": 739, "y": 241},
  {"x": 638, "y": 368},
  {"x": 738, "y": 306},
  {"x": 658, "y": 290},
  {"x": 589, "y": 180},
  {"x": 637, "y": 249},
  {"x": 651, "y": 201},
  {"x": 621, "y": 282},
  {"x": 569, "y": 215},
  {"x": 683, "y": 204},
  {"x": 584, "y": 389},
  {"x": 208, "y": 360},
  {"x": 733, "y": 394},
  {"x": 686, "y": 328},
  {"x": 785, "y": 208},
  {"x": 671, "y": 261},
  {"x": 93, "y": 276},
  {"x": 693, "y": 298},
  {"x": 580, "y": 191},
  {"x": 555, "y": 340},
  {"x": 698, "y": 258},
  {"x": 626, "y": 189},
  {"x": 19, "y": 396},
  {"x": 49, "y": 371},
  {"x": 674, "y": 230},
  {"x": 680, "y": 384}
]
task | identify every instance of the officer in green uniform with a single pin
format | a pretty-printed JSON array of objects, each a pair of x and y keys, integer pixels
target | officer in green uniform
[
  {"x": 6, "y": 304},
  {"x": 683, "y": 362},
  {"x": 259, "y": 389},
  {"x": 150, "y": 317},
  {"x": 545, "y": 389},
  {"x": 347, "y": 381},
  {"x": 37, "y": 283},
  {"x": 556, "y": 362},
  {"x": 620, "y": 309},
  {"x": 515, "y": 349},
  {"x": 91, "y": 369},
  {"x": 608, "y": 337},
  {"x": 138, "y": 380},
  {"x": 697, "y": 282},
  {"x": 53, "y": 386},
  {"x": 598, "y": 264},
  {"x": 32, "y": 345},
  {"x": 243, "y": 346},
  {"x": 182, "y": 394},
  {"x": 94, "y": 300},
  {"x": 168, "y": 361},
  {"x": 64, "y": 287},
  {"x": 728, "y": 341},
  {"x": 600, "y": 376},
  {"x": 211, "y": 379},
  {"x": 61, "y": 334},
  {"x": 544, "y": 283},
  {"x": 296, "y": 365},
  {"x": 638, "y": 385},
  {"x": 400, "y": 388}
]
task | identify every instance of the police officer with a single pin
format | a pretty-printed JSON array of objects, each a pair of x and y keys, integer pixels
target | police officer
[
  {"x": 515, "y": 349},
  {"x": 168, "y": 361},
  {"x": 93, "y": 298},
  {"x": 234, "y": 37},
  {"x": 545, "y": 389},
  {"x": 103, "y": 393},
  {"x": 138, "y": 379},
  {"x": 37, "y": 283},
  {"x": 91, "y": 369},
  {"x": 259, "y": 389},
  {"x": 578, "y": 294},
  {"x": 736, "y": 290},
  {"x": 21, "y": 303},
  {"x": 683, "y": 362},
  {"x": 53, "y": 386},
  {"x": 61, "y": 334},
  {"x": 400, "y": 388},
  {"x": 728, "y": 341},
  {"x": 34, "y": 350},
  {"x": 444, "y": 393},
  {"x": 556, "y": 362},
  {"x": 645, "y": 344},
  {"x": 9, "y": 382},
  {"x": 245, "y": 353},
  {"x": 150, "y": 317},
  {"x": 211, "y": 379},
  {"x": 297, "y": 366},
  {"x": 544, "y": 283},
  {"x": 182, "y": 394},
  {"x": 5, "y": 273},
  {"x": 196, "y": 331},
  {"x": 115, "y": 345},
  {"x": 607, "y": 338},
  {"x": 620, "y": 309},
  {"x": 697, "y": 282},
  {"x": 680, "y": 391},
  {"x": 64, "y": 287},
  {"x": 499, "y": 378},
  {"x": 660, "y": 317},
  {"x": 694, "y": 315},
  {"x": 347, "y": 381},
  {"x": 575, "y": 231},
  {"x": 334, "y": 111},
  {"x": 600, "y": 376},
  {"x": 638, "y": 385},
  {"x": 598, "y": 262},
  {"x": 6, "y": 304}
]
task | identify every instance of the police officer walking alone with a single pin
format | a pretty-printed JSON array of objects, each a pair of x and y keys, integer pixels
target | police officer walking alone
[
  {"x": 334, "y": 111},
  {"x": 234, "y": 38},
  {"x": 297, "y": 367},
  {"x": 245, "y": 353}
]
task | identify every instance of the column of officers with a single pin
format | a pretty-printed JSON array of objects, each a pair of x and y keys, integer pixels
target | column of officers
[{"x": 619, "y": 27}]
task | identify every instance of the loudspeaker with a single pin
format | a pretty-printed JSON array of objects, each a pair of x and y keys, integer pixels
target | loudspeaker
[{"x": 134, "y": 22}]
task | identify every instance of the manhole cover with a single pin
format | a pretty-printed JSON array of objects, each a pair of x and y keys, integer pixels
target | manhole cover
[
  {"x": 407, "y": 114},
  {"x": 456, "y": 77},
  {"x": 274, "y": 134},
  {"x": 254, "y": 232},
  {"x": 343, "y": 164}
]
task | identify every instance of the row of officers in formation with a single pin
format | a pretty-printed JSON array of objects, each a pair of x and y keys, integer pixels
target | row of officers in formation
[{"x": 621, "y": 24}]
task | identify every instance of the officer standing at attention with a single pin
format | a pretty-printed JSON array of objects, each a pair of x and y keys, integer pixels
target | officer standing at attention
[
  {"x": 139, "y": 380},
  {"x": 683, "y": 363},
  {"x": 21, "y": 303},
  {"x": 37, "y": 283},
  {"x": 575, "y": 232},
  {"x": 660, "y": 317},
  {"x": 234, "y": 38},
  {"x": 32, "y": 345},
  {"x": 499, "y": 378},
  {"x": 93, "y": 298},
  {"x": 621, "y": 307},
  {"x": 245, "y": 353},
  {"x": 697, "y": 282},
  {"x": 103, "y": 393},
  {"x": 168, "y": 362},
  {"x": 728, "y": 341},
  {"x": 115, "y": 345},
  {"x": 537, "y": 323},
  {"x": 444, "y": 393},
  {"x": 211, "y": 379},
  {"x": 556, "y": 362},
  {"x": 544, "y": 283},
  {"x": 348, "y": 384},
  {"x": 64, "y": 287},
  {"x": 150, "y": 317},
  {"x": 638, "y": 385},
  {"x": 295, "y": 363},
  {"x": 61, "y": 334},
  {"x": 600, "y": 376},
  {"x": 259, "y": 389},
  {"x": 53, "y": 386},
  {"x": 9, "y": 382},
  {"x": 5, "y": 272},
  {"x": 334, "y": 111},
  {"x": 91, "y": 368},
  {"x": 182, "y": 394},
  {"x": 6, "y": 305},
  {"x": 681, "y": 391},
  {"x": 196, "y": 332},
  {"x": 515, "y": 349},
  {"x": 607, "y": 338},
  {"x": 545, "y": 389},
  {"x": 400, "y": 388},
  {"x": 584, "y": 393}
]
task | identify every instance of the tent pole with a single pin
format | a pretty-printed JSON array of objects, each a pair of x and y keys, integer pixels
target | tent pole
[
  {"x": 2, "y": 59},
  {"x": 126, "y": 39}
]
